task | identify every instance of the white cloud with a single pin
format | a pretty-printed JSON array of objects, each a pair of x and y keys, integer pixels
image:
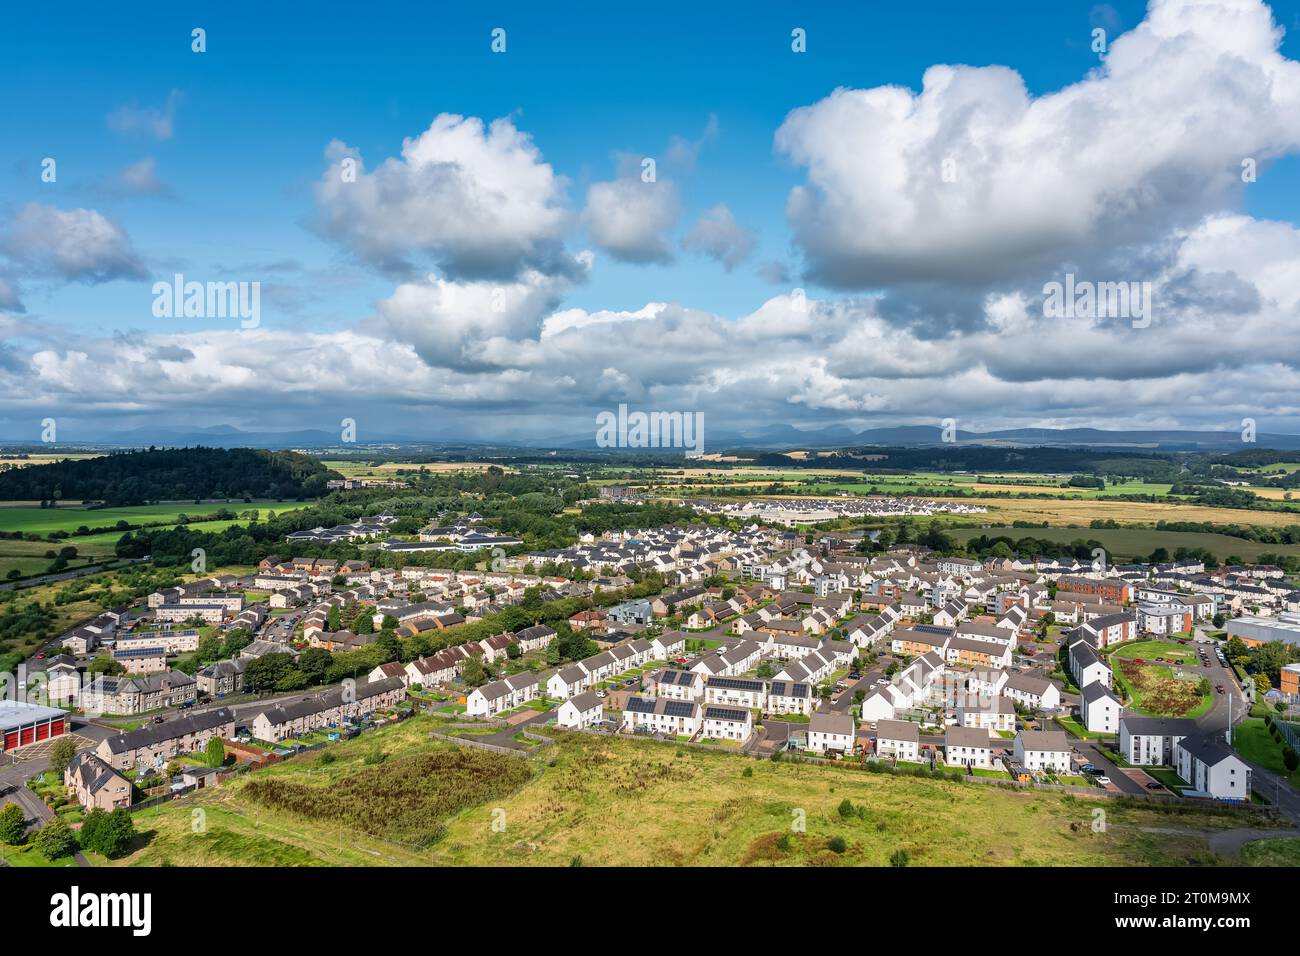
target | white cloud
[
  {"x": 477, "y": 201},
  {"x": 630, "y": 219},
  {"x": 717, "y": 235},
  {"x": 73, "y": 244},
  {"x": 1151, "y": 140},
  {"x": 158, "y": 123}
]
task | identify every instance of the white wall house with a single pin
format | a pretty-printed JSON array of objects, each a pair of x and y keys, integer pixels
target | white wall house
[
  {"x": 900, "y": 739},
  {"x": 831, "y": 731},
  {"x": 1099, "y": 709},
  {"x": 1043, "y": 750},
  {"x": 1210, "y": 767},
  {"x": 584, "y": 710}
]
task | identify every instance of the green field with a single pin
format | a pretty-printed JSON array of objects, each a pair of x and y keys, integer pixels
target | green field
[
  {"x": 1150, "y": 650},
  {"x": 599, "y": 801},
  {"x": 44, "y": 520},
  {"x": 1251, "y": 739},
  {"x": 1133, "y": 543},
  {"x": 28, "y": 557}
]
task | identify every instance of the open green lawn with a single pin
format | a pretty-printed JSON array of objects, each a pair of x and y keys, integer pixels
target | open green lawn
[
  {"x": 1150, "y": 650},
  {"x": 633, "y": 802},
  {"x": 27, "y": 856},
  {"x": 1251, "y": 739}
]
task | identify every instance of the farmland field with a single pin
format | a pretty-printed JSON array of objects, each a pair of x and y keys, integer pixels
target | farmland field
[
  {"x": 626, "y": 802},
  {"x": 1136, "y": 543},
  {"x": 28, "y": 557},
  {"x": 45, "y": 520},
  {"x": 391, "y": 469}
]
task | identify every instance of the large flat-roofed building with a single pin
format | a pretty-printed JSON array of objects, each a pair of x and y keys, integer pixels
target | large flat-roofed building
[
  {"x": 22, "y": 724},
  {"x": 1262, "y": 630}
]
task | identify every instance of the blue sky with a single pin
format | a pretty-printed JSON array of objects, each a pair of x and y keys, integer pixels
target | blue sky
[{"x": 231, "y": 190}]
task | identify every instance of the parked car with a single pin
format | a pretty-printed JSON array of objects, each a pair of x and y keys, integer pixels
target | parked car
[
  {"x": 1138, "y": 660},
  {"x": 1155, "y": 785},
  {"x": 1103, "y": 781}
]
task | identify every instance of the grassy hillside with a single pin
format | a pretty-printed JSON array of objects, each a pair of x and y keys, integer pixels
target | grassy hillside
[{"x": 629, "y": 802}]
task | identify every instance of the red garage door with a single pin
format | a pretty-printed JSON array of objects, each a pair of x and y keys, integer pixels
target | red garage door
[
  {"x": 42, "y": 731},
  {"x": 11, "y": 740},
  {"x": 57, "y": 726},
  {"x": 28, "y": 736}
]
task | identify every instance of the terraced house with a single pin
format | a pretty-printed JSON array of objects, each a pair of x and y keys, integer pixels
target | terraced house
[
  {"x": 154, "y": 744},
  {"x": 328, "y": 708},
  {"x": 502, "y": 695}
]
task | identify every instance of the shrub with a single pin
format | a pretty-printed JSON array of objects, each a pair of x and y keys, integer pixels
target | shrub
[
  {"x": 13, "y": 825},
  {"x": 1290, "y": 758},
  {"x": 846, "y": 808},
  {"x": 836, "y": 844},
  {"x": 749, "y": 772},
  {"x": 899, "y": 858},
  {"x": 55, "y": 840},
  {"x": 783, "y": 844}
]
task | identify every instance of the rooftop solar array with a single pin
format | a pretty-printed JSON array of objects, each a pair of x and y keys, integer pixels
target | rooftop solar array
[
  {"x": 640, "y": 705},
  {"x": 725, "y": 713},
  {"x": 679, "y": 708},
  {"x": 735, "y": 683}
]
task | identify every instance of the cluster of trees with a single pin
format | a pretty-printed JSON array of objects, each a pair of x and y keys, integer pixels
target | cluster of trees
[
  {"x": 174, "y": 474},
  {"x": 18, "y": 624},
  {"x": 1267, "y": 659}
]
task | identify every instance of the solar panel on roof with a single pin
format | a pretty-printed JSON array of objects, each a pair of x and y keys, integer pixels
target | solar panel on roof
[
  {"x": 640, "y": 705},
  {"x": 724, "y": 713},
  {"x": 679, "y": 708}
]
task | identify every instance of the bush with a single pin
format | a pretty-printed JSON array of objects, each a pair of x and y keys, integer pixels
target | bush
[
  {"x": 749, "y": 772},
  {"x": 13, "y": 825},
  {"x": 1291, "y": 759},
  {"x": 107, "y": 833},
  {"x": 846, "y": 808},
  {"x": 836, "y": 844},
  {"x": 55, "y": 840},
  {"x": 899, "y": 858},
  {"x": 783, "y": 844}
]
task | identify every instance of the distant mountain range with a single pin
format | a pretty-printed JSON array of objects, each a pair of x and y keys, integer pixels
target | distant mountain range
[{"x": 777, "y": 437}]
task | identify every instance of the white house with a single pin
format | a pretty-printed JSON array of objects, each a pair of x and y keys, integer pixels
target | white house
[
  {"x": 727, "y": 723},
  {"x": 900, "y": 739},
  {"x": 1043, "y": 750},
  {"x": 1210, "y": 767},
  {"x": 501, "y": 695},
  {"x": 582, "y": 710},
  {"x": 680, "y": 718},
  {"x": 1086, "y": 665},
  {"x": 1099, "y": 709},
  {"x": 967, "y": 747},
  {"x": 1150, "y": 741},
  {"x": 789, "y": 697},
  {"x": 736, "y": 691},
  {"x": 829, "y": 731},
  {"x": 1036, "y": 693},
  {"x": 677, "y": 684}
]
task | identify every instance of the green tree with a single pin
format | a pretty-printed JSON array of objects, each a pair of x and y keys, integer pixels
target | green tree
[
  {"x": 61, "y": 754},
  {"x": 55, "y": 840},
  {"x": 473, "y": 671},
  {"x": 13, "y": 825},
  {"x": 216, "y": 752},
  {"x": 108, "y": 833}
]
